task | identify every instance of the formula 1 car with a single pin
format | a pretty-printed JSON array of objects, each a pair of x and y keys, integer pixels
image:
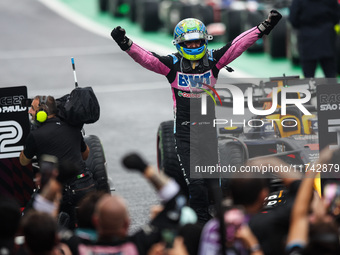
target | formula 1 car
[
  {"x": 16, "y": 180},
  {"x": 278, "y": 132},
  {"x": 292, "y": 136}
]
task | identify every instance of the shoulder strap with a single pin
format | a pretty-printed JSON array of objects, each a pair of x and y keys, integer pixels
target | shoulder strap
[{"x": 175, "y": 59}]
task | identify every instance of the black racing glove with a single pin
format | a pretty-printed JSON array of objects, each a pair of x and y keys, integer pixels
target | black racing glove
[
  {"x": 134, "y": 161},
  {"x": 118, "y": 34},
  {"x": 266, "y": 26}
]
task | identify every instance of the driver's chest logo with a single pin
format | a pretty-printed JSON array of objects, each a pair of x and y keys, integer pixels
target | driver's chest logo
[{"x": 194, "y": 80}]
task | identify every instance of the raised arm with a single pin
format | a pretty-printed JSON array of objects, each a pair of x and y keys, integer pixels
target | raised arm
[
  {"x": 298, "y": 230},
  {"x": 166, "y": 187},
  {"x": 143, "y": 57},
  {"x": 242, "y": 42}
]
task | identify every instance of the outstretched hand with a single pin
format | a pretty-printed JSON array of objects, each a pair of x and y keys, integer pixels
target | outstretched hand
[
  {"x": 134, "y": 162},
  {"x": 274, "y": 17},
  {"x": 266, "y": 26},
  {"x": 118, "y": 34}
]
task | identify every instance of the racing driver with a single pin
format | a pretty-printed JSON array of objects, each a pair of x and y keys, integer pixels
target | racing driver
[{"x": 192, "y": 71}]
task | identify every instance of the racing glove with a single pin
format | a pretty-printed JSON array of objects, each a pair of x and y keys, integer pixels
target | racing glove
[
  {"x": 118, "y": 34},
  {"x": 266, "y": 26},
  {"x": 134, "y": 161}
]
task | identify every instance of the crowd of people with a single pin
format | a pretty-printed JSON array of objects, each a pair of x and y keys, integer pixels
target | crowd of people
[{"x": 306, "y": 223}]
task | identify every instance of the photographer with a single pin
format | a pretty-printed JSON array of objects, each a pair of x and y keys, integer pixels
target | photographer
[{"x": 55, "y": 137}]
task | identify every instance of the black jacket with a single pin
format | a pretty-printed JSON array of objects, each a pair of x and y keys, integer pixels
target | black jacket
[
  {"x": 55, "y": 137},
  {"x": 315, "y": 20}
]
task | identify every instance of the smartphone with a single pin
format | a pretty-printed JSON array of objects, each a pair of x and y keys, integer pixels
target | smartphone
[
  {"x": 48, "y": 164},
  {"x": 168, "y": 236},
  {"x": 331, "y": 195}
]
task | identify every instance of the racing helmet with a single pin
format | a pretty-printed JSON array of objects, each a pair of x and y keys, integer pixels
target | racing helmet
[{"x": 190, "y": 30}]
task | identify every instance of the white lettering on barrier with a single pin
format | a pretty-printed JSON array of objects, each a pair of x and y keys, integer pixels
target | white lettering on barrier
[{"x": 10, "y": 134}]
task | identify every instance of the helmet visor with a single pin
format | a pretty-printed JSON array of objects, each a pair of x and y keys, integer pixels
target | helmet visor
[
  {"x": 192, "y": 43},
  {"x": 190, "y": 37}
]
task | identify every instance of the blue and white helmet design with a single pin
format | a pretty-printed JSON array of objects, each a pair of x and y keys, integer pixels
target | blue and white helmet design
[{"x": 191, "y": 30}]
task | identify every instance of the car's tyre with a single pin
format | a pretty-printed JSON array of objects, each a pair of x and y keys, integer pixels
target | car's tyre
[
  {"x": 147, "y": 15},
  {"x": 232, "y": 154},
  {"x": 96, "y": 162},
  {"x": 167, "y": 159},
  {"x": 177, "y": 12},
  {"x": 103, "y": 5},
  {"x": 132, "y": 10},
  {"x": 164, "y": 8},
  {"x": 251, "y": 19},
  {"x": 204, "y": 13},
  {"x": 277, "y": 40},
  {"x": 232, "y": 19},
  {"x": 114, "y": 8}
]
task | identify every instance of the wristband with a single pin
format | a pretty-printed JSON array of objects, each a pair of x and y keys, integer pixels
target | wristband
[{"x": 262, "y": 27}]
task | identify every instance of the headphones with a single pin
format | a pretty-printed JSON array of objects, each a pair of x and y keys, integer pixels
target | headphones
[{"x": 41, "y": 115}]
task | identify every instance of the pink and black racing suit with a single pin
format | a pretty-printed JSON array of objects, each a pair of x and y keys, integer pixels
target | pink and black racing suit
[{"x": 196, "y": 138}]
